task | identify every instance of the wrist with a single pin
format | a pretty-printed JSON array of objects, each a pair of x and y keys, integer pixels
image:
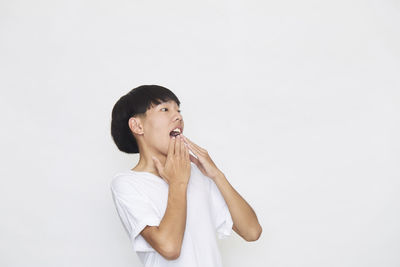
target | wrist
[
  {"x": 220, "y": 175},
  {"x": 178, "y": 184}
]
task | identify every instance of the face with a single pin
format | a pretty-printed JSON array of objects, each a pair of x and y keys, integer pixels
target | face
[{"x": 159, "y": 122}]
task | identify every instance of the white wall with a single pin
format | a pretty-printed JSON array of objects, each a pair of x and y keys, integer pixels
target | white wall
[{"x": 296, "y": 101}]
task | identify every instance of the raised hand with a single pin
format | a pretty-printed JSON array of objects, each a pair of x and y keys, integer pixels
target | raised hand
[
  {"x": 177, "y": 165},
  {"x": 203, "y": 160}
]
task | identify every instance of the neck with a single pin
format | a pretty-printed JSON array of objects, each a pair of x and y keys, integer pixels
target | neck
[{"x": 146, "y": 163}]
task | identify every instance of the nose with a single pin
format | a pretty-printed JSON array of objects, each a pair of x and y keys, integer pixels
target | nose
[{"x": 178, "y": 116}]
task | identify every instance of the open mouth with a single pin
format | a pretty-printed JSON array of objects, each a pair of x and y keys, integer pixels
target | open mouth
[{"x": 175, "y": 132}]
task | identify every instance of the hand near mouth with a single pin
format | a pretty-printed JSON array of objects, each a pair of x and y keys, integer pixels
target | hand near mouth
[{"x": 203, "y": 160}]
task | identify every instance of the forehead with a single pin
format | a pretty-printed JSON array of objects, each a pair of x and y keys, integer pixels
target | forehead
[{"x": 169, "y": 103}]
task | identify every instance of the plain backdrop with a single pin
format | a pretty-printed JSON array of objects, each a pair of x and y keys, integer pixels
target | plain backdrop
[{"x": 297, "y": 102}]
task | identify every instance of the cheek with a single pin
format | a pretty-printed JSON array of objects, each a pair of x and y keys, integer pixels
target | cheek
[
  {"x": 160, "y": 141},
  {"x": 158, "y": 136},
  {"x": 165, "y": 144}
]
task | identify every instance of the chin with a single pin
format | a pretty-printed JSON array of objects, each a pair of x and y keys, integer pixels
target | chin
[{"x": 163, "y": 148}]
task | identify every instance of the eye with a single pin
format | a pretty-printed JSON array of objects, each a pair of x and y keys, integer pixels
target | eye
[{"x": 167, "y": 109}]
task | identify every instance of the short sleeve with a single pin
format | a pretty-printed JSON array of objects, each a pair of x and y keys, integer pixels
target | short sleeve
[
  {"x": 222, "y": 217},
  {"x": 135, "y": 212}
]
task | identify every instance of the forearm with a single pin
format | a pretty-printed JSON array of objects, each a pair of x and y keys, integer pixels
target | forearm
[
  {"x": 243, "y": 216},
  {"x": 172, "y": 226}
]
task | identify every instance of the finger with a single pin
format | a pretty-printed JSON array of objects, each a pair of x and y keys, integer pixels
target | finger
[
  {"x": 193, "y": 144},
  {"x": 194, "y": 150},
  {"x": 187, "y": 140},
  {"x": 171, "y": 146},
  {"x": 158, "y": 165},
  {"x": 186, "y": 151},
  {"x": 177, "y": 146},
  {"x": 182, "y": 147},
  {"x": 194, "y": 160},
  {"x": 190, "y": 147}
]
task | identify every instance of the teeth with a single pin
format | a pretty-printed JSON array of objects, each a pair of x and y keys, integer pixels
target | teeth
[{"x": 175, "y": 132}]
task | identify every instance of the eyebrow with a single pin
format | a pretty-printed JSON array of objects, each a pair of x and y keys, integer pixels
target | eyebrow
[{"x": 168, "y": 103}]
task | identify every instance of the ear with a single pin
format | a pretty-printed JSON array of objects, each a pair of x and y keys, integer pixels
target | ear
[{"x": 135, "y": 124}]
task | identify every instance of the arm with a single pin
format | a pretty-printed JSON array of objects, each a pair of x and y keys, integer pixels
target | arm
[
  {"x": 244, "y": 219},
  {"x": 168, "y": 236},
  {"x": 245, "y": 222}
]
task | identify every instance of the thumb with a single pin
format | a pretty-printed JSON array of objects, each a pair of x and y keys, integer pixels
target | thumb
[
  {"x": 194, "y": 160},
  {"x": 158, "y": 165},
  {"x": 159, "y": 168}
]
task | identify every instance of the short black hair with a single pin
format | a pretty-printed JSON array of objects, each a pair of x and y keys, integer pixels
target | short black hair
[{"x": 136, "y": 102}]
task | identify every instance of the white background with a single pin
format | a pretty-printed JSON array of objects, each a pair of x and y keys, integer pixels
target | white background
[{"x": 297, "y": 102}]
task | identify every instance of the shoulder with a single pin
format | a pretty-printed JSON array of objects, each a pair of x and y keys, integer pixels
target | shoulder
[{"x": 123, "y": 182}]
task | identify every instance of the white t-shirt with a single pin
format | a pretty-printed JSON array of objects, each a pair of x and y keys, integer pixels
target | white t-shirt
[{"x": 141, "y": 199}]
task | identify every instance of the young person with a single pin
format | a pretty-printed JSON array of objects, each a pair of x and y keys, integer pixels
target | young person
[{"x": 172, "y": 204}]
